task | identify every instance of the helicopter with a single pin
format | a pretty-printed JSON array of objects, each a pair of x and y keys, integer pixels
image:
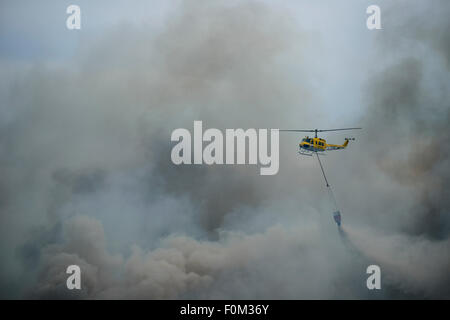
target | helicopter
[{"x": 310, "y": 145}]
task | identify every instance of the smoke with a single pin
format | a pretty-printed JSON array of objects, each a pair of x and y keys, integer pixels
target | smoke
[
  {"x": 407, "y": 128},
  {"x": 409, "y": 110},
  {"x": 414, "y": 265},
  {"x": 87, "y": 177},
  {"x": 183, "y": 266}
]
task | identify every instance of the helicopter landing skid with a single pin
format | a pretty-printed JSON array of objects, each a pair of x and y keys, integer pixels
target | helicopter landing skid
[
  {"x": 305, "y": 153},
  {"x": 309, "y": 153}
]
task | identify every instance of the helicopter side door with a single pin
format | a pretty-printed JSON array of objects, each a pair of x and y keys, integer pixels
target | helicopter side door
[
  {"x": 316, "y": 144},
  {"x": 312, "y": 144},
  {"x": 322, "y": 145},
  {"x": 319, "y": 145}
]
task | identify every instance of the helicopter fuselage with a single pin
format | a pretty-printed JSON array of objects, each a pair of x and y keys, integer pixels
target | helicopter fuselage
[
  {"x": 313, "y": 144},
  {"x": 319, "y": 145}
]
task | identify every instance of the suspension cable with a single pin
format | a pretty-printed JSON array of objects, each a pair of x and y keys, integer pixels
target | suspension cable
[{"x": 323, "y": 172}]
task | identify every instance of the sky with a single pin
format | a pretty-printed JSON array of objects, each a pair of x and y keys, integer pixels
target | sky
[{"x": 85, "y": 123}]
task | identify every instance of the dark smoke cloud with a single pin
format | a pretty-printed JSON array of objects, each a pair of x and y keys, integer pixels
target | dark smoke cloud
[
  {"x": 87, "y": 177},
  {"x": 407, "y": 128},
  {"x": 409, "y": 110},
  {"x": 421, "y": 155}
]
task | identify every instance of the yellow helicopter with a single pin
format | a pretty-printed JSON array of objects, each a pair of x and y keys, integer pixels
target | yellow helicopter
[{"x": 310, "y": 145}]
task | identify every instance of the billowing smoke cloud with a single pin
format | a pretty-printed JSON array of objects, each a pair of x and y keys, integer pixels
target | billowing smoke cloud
[
  {"x": 409, "y": 110},
  {"x": 407, "y": 128},
  {"x": 415, "y": 266},
  {"x": 87, "y": 177},
  {"x": 182, "y": 266}
]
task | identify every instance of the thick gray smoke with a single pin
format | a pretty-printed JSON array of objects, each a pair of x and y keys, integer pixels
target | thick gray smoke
[
  {"x": 87, "y": 177},
  {"x": 408, "y": 134}
]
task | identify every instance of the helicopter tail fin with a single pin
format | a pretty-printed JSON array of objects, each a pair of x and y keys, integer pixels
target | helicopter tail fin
[{"x": 347, "y": 140}]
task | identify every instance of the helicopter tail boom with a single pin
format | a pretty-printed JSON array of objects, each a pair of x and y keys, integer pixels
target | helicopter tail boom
[{"x": 339, "y": 146}]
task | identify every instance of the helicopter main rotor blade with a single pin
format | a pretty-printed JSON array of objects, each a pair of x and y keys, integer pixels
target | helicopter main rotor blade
[
  {"x": 317, "y": 130},
  {"x": 297, "y": 130},
  {"x": 338, "y": 129}
]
